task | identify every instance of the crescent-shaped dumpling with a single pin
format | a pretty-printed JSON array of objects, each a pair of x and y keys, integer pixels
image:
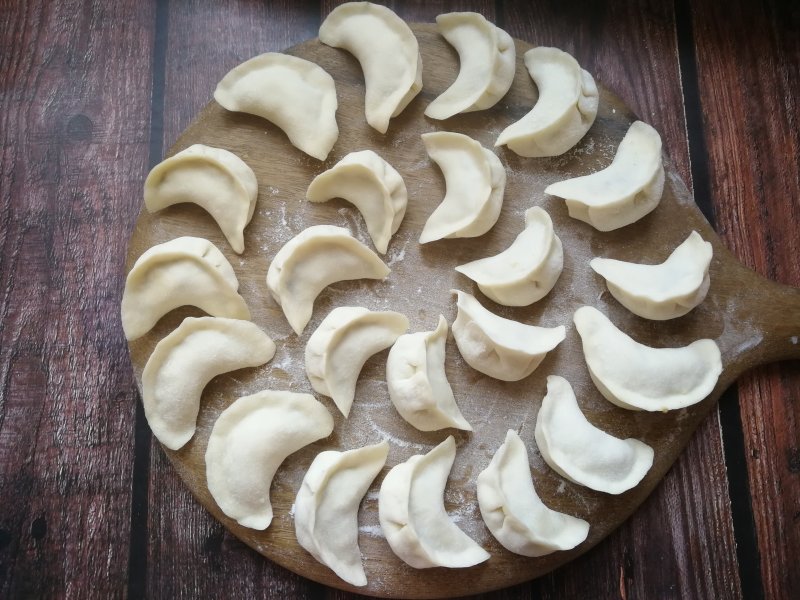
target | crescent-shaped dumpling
[
  {"x": 388, "y": 52},
  {"x": 564, "y": 112},
  {"x": 216, "y": 180},
  {"x": 372, "y": 185},
  {"x": 498, "y": 347},
  {"x": 625, "y": 191},
  {"x": 337, "y": 350},
  {"x": 311, "y": 261},
  {"x": 412, "y": 514},
  {"x": 294, "y": 94},
  {"x": 250, "y": 440},
  {"x": 581, "y": 452},
  {"x": 513, "y": 511},
  {"x": 527, "y": 270},
  {"x": 665, "y": 291},
  {"x": 638, "y": 377},
  {"x": 183, "y": 363},
  {"x": 417, "y": 381},
  {"x": 487, "y": 58},
  {"x": 475, "y": 181},
  {"x": 186, "y": 271},
  {"x": 326, "y": 507}
]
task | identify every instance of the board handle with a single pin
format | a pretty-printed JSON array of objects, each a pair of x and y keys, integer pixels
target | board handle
[{"x": 769, "y": 319}]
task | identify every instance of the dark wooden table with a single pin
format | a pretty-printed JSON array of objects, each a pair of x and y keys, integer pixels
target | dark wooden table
[{"x": 91, "y": 95}]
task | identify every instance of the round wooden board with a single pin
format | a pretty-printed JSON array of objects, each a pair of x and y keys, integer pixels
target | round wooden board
[{"x": 743, "y": 325}]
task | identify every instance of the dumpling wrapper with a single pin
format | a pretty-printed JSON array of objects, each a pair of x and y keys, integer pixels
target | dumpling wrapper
[
  {"x": 487, "y": 58},
  {"x": 339, "y": 347},
  {"x": 311, "y": 261},
  {"x": 526, "y": 271},
  {"x": 292, "y": 93},
  {"x": 625, "y": 191},
  {"x": 664, "y": 291},
  {"x": 186, "y": 271},
  {"x": 183, "y": 363},
  {"x": 498, "y": 347},
  {"x": 638, "y": 377},
  {"x": 475, "y": 182},
  {"x": 388, "y": 52},
  {"x": 370, "y": 183},
  {"x": 326, "y": 507},
  {"x": 564, "y": 112},
  {"x": 250, "y": 440},
  {"x": 582, "y": 453},
  {"x": 413, "y": 518},
  {"x": 216, "y": 180},
  {"x": 515, "y": 514},
  {"x": 417, "y": 381}
]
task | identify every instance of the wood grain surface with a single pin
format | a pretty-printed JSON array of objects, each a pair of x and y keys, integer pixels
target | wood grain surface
[{"x": 69, "y": 475}]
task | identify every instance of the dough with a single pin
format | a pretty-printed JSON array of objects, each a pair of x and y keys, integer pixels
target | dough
[
  {"x": 418, "y": 383},
  {"x": 216, "y": 180}
]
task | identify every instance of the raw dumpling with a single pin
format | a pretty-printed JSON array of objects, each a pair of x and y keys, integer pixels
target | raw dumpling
[
  {"x": 413, "y": 517},
  {"x": 338, "y": 349},
  {"x": 564, "y": 112},
  {"x": 487, "y": 59},
  {"x": 638, "y": 377},
  {"x": 581, "y": 452},
  {"x": 475, "y": 182},
  {"x": 185, "y": 361},
  {"x": 625, "y": 191},
  {"x": 216, "y": 180},
  {"x": 186, "y": 271},
  {"x": 418, "y": 383},
  {"x": 665, "y": 291},
  {"x": 372, "y": 185},
  {"x": 326, "y": 508},
  {"x": 498, "y": 347},
  {"x": 294, "y": 94},
  {"x": 515, "y": 514},
  {"x": 388, "y": 52},
  {"x": 311, "y": 261},
  {"x": 250, "y": 440},
  {"x": 527, "y": 270}
]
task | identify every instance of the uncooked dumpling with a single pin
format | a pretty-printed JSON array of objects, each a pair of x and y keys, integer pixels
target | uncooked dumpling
[
  {"x": 311, "y": 261},
  {"x": 487, "y": 58},
  {"x": 638, "y": 377},
  {"x": 664, "y": 291},
  {"x": 326, "y": 508},
  {"x": 216, "y": 180},
  {"x": 581, "y": 452},
  {"x": 527, "y": 270},
  {"x": 186, "y": 271},
  {"x": 388, "y": 52},
  {"x": 338, "y": 349},
  {"x": 418, "y": 383},
  {"x": 498, "y": 347},
  {"x": 564, "y": 112},
  {"x": 372, "y": 185},
  {"x": 513, "y": 511},
  {"x": 250, "y": 440},
  {"x": 625, "y": 191},
  {"x": 413, "y": 517},
  {"x": 294, "y": 94},
  {"x": 475, "y": 182},
  {"x": 185, "y": 361}
]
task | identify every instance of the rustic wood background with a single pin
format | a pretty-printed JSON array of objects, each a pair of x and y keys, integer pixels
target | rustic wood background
[{"x": 92, "y": 92}]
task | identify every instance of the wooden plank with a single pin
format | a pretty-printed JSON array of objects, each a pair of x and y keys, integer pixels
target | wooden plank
[
  {"x": 191, "y": 554},
  {"x": 753, "y": 140},
  {"x": 680, "y": 542},
  {"x": 73, "y": 132}
]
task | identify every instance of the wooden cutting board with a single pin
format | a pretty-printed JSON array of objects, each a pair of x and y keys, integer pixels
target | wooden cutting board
[{"x": 753, "y": 320}]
